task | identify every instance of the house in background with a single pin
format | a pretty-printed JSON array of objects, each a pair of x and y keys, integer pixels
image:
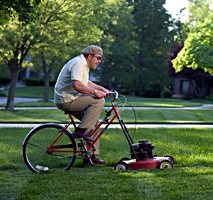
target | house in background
[{"x": 191, "y": 83}]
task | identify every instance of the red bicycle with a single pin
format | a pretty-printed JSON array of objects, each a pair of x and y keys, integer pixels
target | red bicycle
[{"x": 52, "y": 146}]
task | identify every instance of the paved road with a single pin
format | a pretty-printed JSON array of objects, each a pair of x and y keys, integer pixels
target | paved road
[{"x": 26, "y": 125}]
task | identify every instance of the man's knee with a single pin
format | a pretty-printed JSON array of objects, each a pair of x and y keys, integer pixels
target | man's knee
[{"x": 101, "y": 102}]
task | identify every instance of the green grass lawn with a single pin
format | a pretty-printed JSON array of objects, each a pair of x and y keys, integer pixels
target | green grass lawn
[
  {"x": 31, "y": 91},
  {"x": 141, "y": 116},
  {"x": 190, "y": 178}
]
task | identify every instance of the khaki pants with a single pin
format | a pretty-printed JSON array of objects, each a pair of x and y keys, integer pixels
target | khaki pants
[{"x": 87, "y": 109}]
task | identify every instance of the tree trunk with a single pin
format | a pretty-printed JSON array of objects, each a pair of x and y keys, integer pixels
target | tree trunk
[
  {"x": 12, "y": 89},
  {"x": 46, "y": 72},
  {"x": 46, "y": 87}
]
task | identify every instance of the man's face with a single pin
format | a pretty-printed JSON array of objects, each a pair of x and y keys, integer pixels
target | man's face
[{"x": 94, "y": 60}]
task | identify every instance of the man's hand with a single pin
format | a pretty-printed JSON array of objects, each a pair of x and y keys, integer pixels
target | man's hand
[
  {"x": 109, "y": 93},
  {"x": 100, "y": 94}
]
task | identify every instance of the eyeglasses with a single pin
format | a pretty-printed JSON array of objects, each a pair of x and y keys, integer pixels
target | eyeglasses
[{"x": 97, "y": 57}]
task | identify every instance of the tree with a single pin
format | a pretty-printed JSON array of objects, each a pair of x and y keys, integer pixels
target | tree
[
  {"x": 198, "y": 11},
  {"x": 111, "y": 35},
  {"x": 198, "y": 78},
  {"x": 119, "y": 47},
  {"x": 16, "y": 42},
  {"x": 24, "y": 10},
  {"x": 152, "y": 23},
  {"x": 62, "y": 27},
  {"x": 198, "y": 49},
  {"x": 17, "y": 39},
  {"x": 65, "y": 38},
  {"x": 197, "y": 54},
  {"x": 180, "y": 31}
]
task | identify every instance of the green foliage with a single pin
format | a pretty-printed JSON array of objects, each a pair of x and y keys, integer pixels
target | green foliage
[
  {"x": 210, "y": 98},
  {"x": 199, "y": 10},
  {"x": 120, "y": 47},
  {"x": 135, "y": 37},
  {"x": 24, "y": 9},
  {"x": 197, "y": 51},
  {"x": 153, "y": 89},
  {"x": 33, "y": 82},
  {"x": 4, "y": 71},
  {"x": 62, "y": 35},
  {"x": 152, "y": 24},
  {"x": 37, "y": 82},
  {"x": 4, "y": 81},
  {"x": 166, "y": 94}
]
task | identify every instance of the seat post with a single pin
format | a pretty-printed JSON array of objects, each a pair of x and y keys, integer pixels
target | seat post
[{"x": 72, "y": 120}]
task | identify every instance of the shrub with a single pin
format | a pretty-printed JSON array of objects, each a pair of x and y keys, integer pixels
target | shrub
[
  {"x": 2, "y": 94},
  {"x": 166, "y": 94},
  {"x": 209, "y": 98},
  {"x": 52, "y": 82},
  {"x": 37, "y": 82},
  {"x": 4, "y": 81},
  {"x": 33, "y": 82}
]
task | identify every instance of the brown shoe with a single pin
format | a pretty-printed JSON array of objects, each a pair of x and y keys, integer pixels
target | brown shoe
[
  {"x": 79, "y": 133},
  {"x": 95, "y": 160}
]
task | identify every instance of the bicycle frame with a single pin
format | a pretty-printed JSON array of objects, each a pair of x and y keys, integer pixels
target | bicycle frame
[{"x": 106, "y": 120}]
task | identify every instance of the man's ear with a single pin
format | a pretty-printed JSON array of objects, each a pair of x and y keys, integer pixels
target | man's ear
[{"x": 90, "y": 56}]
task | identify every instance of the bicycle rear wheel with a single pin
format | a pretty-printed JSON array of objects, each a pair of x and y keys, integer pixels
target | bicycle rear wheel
[{"x": 37, "y": 155}]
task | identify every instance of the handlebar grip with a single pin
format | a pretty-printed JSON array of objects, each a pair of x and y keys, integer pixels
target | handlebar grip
[{"x": 114, "y": 93}]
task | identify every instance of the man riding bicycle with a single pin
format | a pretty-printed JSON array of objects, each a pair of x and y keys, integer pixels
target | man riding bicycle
[{"x": 75, "y": 92}]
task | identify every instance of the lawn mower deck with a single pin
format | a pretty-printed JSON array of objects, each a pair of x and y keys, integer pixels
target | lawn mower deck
[
  {"x": 142, "y": 158},
  {"x": 149, "y": 163}
]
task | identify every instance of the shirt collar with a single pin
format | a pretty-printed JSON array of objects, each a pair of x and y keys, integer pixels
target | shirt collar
[{"x": 84, "y": 60}]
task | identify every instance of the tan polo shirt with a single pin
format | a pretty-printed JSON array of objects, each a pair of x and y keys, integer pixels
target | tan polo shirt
[{"x": 75, "y": 69}]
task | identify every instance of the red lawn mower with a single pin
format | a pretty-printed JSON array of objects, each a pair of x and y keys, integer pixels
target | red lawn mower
[{"x": 142, "y": 156}]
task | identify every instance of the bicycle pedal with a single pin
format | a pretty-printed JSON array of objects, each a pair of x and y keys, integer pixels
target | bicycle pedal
[{"x": 42, "y": 168}]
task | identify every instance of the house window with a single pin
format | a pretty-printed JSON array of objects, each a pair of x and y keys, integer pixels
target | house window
[{"x": 184, "y": 86}]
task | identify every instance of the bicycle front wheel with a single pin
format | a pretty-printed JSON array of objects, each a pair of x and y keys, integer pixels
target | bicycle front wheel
[{"x": 38, "y": 153}]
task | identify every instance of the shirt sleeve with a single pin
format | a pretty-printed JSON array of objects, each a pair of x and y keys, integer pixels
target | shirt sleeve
[{"x": 77, "y": 72}]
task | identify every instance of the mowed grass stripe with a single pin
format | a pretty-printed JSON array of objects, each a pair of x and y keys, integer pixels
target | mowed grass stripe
[{"x": 142, "y": 116}]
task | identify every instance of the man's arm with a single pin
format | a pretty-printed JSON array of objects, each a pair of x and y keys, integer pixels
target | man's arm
[
  {"x": 91, "y": 88},
  {"x": 97, "y": 87}
]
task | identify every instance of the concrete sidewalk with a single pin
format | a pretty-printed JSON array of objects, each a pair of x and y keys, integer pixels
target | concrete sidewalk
[
  {"x": 24, "y": 125},
  {"x": 3, "y": 100}
]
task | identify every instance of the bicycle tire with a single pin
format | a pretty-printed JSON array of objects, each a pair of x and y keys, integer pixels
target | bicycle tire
[{"x": 35, "y": 145}]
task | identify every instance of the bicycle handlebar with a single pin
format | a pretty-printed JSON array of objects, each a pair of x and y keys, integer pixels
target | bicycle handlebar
[{"x": 114, "y": 93}]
